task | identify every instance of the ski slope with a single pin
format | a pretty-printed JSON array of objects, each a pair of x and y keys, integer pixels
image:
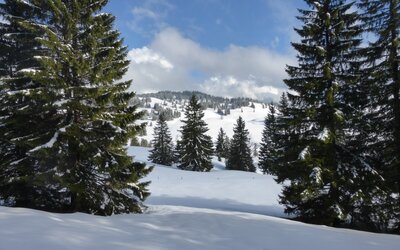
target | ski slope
[{"x": 218, "y": 210}]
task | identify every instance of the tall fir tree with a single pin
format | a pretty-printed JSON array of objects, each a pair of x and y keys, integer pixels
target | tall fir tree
[
  {"x": 239, "y": 152},
  {"x": 268, "y": 148},
  {"x": 323, "y": 162},
  {"x": 194, "y": 147},
  {"x": 83, "y": 161},
  {"x": 382, "y": 66},
  {"x": 162, "y": 151},
  {"x": 26, "y": 119},
  {"x": 221, "y": 146}
]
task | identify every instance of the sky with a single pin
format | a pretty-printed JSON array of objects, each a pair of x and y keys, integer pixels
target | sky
[{"x": 229, "y": 48}]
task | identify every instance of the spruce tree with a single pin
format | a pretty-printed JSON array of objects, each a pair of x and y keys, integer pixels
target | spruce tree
[
  {"x": 162, "y": 152},
  {"x": 83, "y": 161},
  {"x": 267, "y": 152},
  {"x": 239, "y": 152},
  {"x": 325, "y": 167},
  {"x": 26, "y": 118},
  {"x": 194, "y": 147},
  {"x": 221, "y": 145},
  {"x": 382, "y": 66}
]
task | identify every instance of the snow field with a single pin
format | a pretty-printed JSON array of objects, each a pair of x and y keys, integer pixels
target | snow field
[{"x": 187, "y": 210}]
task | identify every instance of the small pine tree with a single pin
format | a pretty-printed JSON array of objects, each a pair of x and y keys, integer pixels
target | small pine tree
[
  {"x": 162, "y": 152},
  {"x": 239, "y": 152},
  {"x": 195, "y": 147},
  {"x": 221, "y": 145},
  {"x": 267, "y": 153}
]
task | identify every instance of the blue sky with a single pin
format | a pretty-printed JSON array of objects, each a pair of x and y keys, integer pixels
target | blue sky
[
  {"x": 212, "y": 23},
  {"x": 223, "y": 47},
  {"x": 228, "y": 48}
]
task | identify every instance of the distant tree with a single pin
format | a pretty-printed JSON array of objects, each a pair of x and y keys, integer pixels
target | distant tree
[
  {"x": 268, "y": 149},
  {"x": 221, "y": 145},
  {"x": 239, "y": 152},
  {"x": 195, "y": 147},
  {"x": 162, "y": 152}
]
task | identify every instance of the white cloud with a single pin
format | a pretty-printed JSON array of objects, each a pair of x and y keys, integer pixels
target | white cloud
[
  {"x": 173, "y": 62},
  {"x": 229, "y": 86},
  {"x": 147, "y": 56}
]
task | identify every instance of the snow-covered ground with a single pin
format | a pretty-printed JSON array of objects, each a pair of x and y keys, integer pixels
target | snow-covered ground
[
  {"x": 254, "y": 119},
  {"x": 187, "y": 210},
  {"x": 223, "y": 190},
  {"x": 172, "y": 227}
]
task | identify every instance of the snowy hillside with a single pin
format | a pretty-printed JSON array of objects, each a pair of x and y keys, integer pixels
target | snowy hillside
[
  {"x": 253, "y": 117},
  {"x": 187, "y": 210},
  {"x": 218, "y": 189}
]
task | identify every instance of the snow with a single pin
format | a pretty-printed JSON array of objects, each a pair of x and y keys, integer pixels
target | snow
[
  {"x": 324, "y": 135},
  {"x": 187, "y": 210},
  {"x": 48, "y": 144},
  {"x": 28, "y": 70},
  {"x": 304, "y": 153},
  {"x": 218, "y": 189}
]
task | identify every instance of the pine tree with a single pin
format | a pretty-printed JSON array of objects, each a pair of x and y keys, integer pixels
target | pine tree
[
  {"x": 239, "y": 152},
  {"x": 267, "y": 152},
  {"x": 26, "y": 119},
  {"x": 382, "y": 66},
  {"x": 195, "y": 147},
  {"x": 83, "y": 161},
  {"x": 162, "y": 152},
  {"x": 221, "y": 145},
  {"x": 322, "y": 163}
]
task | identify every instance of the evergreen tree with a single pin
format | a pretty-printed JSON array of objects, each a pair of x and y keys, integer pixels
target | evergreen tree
[
  {"x": 221, "y": 145},
  {"x": 26, "y": 119},
  {"x": 227, "y": 146},
  {"x": 195, "y": 147},
  {"x": 82, "y": 164},
  {"x": 162, "y": 152},
  {"x": 382, "y": 66},
  {"x": 267, "y": 152},
  {"x": 325, "y": 167},
  {"x": 239, "y": 152}
]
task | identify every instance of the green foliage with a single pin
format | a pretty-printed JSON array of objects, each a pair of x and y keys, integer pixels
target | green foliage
[
  {"x": 239, "y": 152},
  {"x": 162, "y": 152},
  {"x": 194, "y": 147},
  {"x": 382, "y": 83},
  {"x": 80, "y": 161},
  {"x": 319, "y": 151},
  {"x": 269, "y": 143},
  {"x": 222, "y": 145}
]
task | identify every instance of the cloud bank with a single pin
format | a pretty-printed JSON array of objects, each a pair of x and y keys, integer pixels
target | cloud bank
[{"x": 174, "y": 62}]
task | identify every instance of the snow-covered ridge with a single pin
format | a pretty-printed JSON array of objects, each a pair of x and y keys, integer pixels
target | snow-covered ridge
[{"x": 253, "y": 117}]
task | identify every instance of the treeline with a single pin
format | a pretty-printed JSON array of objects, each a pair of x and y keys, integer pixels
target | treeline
[
  {"x": 206, "y": 101},
  {"x": 194, "y": 150}
]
